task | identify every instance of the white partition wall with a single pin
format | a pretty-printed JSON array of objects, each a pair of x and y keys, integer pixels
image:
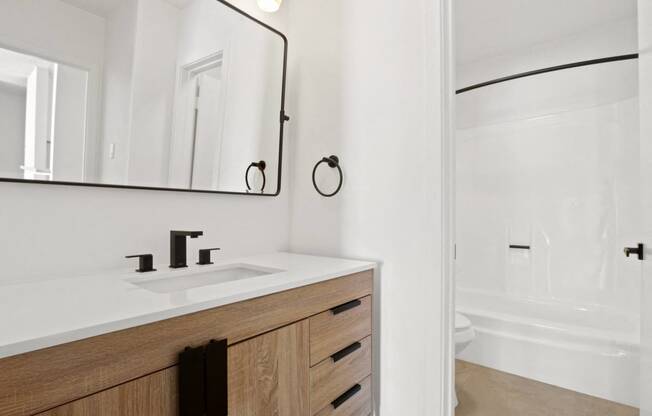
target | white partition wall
[{"x": 645, "y": 91}]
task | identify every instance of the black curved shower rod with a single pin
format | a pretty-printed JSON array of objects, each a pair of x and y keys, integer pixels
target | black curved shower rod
[{"x": 550, "y": 69}]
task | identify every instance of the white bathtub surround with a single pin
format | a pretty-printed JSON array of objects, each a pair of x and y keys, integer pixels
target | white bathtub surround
[
  {"x": 552, "y": 162},
  {"x": 57, "y": 311},
  {"x": 589, "y": 349},
  {"x": 562, "y": 179}
]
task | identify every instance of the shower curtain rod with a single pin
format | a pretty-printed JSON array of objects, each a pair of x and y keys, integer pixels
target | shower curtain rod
[{"x": 550, "y": 69}]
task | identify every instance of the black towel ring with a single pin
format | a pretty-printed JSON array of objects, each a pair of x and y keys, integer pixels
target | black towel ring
[
  {"x": 333, "y": 162},
  {"x": 261, "y": 167}
]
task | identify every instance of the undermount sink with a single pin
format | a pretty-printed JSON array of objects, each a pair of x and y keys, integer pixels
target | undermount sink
[{"x": 183, "y": 281}]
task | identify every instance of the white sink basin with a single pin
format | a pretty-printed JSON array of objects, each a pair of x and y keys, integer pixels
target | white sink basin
[{"x": 175, "y": 282}]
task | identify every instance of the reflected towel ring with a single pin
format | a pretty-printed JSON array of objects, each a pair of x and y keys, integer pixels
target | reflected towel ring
[
  {"x": 261, "y": 167},
  {"x": 333, "y": 162}
]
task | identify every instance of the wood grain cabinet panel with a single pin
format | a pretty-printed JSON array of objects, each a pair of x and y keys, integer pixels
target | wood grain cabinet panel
[
  {"x": 331, "y": 332},
  {"x": 329, "y": 379},
  {"x": 153, "y": 395},
  {"x": 269, "y": 374}
]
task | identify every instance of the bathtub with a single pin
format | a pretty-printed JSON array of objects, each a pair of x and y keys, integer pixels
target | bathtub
[{"x": 591, "y": 350}]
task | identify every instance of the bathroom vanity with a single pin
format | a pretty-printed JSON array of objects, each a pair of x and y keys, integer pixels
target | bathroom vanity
[{"x": 296, "y": 340}]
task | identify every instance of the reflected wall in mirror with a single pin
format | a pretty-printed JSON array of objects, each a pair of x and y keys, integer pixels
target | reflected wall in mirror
[{"x": 175, "y": 94}]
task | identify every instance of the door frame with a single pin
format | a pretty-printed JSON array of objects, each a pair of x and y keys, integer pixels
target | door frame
[
  {"x": 448, "y": 195},
  {"x": 185, "y": 103}
]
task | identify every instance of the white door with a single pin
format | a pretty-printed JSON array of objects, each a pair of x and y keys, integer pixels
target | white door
[
  {"x": 69, "y": 124},
  {"x": 208, "y": 132},
  {"x": 645, "y": 97}
]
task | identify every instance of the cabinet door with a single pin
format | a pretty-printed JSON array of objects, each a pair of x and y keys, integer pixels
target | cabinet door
[
  {"x": 153, "y": 395},
  {"x": 269, "y": 374}
]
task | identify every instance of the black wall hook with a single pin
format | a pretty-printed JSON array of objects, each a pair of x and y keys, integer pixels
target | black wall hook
[
  {"x": 333, "y": 162},
  {"x": 262, "y": 165}
]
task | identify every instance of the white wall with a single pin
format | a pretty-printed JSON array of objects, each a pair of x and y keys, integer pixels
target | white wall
[
  {"x": 154, "y": 76},
  {"x": 550, "y": 161},
  {"x": 117, "y": 83},
  {"x": 254, "y": 62},
  {"x": 12, "y": 120},
  {"x": 139, "y": 83},
  {"x": 601, "y": 41},
  {"x": 71, "y": 36},
  {"x": 490, "y": 28},
  {"x": 366, "y": 87},
  {"x": 51, "y": 231},
  {"x": 645, "y": 79}
]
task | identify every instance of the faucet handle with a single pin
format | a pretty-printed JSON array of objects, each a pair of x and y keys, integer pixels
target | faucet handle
[
  {"x": 205, "y": 256},
  {"x": 146, "y": 262},
  {"x": 191, "y": 234}
]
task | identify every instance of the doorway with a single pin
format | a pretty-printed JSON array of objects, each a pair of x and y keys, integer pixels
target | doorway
[
  {"x": 550, "y": 188},
  {"x": 200, "y": 111}
]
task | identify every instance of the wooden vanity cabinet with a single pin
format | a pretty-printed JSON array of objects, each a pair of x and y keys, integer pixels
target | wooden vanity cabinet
[
  {"x": 268, "y": 375},
  {"x": 292, "y": 353}
]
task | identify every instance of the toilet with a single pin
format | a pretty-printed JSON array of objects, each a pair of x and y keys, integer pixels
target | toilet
[{"x": 464, "y": 335}]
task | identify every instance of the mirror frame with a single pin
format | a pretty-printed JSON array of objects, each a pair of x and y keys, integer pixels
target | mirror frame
[{"x": 283, "y": 118}]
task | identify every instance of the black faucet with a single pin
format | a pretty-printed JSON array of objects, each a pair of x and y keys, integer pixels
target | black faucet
[{"x": 178, "y": 251}]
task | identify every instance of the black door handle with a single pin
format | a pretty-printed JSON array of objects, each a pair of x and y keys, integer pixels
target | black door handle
[
  {"x": 203, "y": 380},
  {"x": 192, "y": 386},
  {"x": 638, "y": 250},
  {"x": 217, "y": 379}
]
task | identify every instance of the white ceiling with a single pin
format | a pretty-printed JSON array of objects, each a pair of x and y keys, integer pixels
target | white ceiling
[
  {"x": 491, "y": 27},
  {"x": 104, "y": 7},
  {"x": 98, "y": 7},
  {"x": 180, "y": 3}
]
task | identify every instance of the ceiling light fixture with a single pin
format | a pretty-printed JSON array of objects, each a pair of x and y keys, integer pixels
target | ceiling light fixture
[{"x": 269, "y": 6}]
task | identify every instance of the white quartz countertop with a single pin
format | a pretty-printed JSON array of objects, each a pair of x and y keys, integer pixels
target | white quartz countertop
[{"x": 42, "y": 314}]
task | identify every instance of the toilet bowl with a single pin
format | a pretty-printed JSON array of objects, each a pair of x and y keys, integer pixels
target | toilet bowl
[{"x": 464, "y": 335}]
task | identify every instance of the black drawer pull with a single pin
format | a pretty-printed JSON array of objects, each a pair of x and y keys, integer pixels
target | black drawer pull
[
  {"x": 346, "y": 351},
  {"x": 343, "y": 308},
  {"x": 346, "y": 396}
]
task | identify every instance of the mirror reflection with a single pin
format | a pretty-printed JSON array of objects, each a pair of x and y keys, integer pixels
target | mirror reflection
[{"x": 183, "y": 94}]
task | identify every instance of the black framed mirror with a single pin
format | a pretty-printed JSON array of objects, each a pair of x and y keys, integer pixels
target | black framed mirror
[{"x": 179, "y": 95}]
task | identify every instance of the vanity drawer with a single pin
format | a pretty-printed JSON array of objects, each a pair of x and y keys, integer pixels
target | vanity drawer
[
  {"x": 338, "y": 328},
  {"x": 356, "y": 402},
  {"x": 335, "y": 375}
]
